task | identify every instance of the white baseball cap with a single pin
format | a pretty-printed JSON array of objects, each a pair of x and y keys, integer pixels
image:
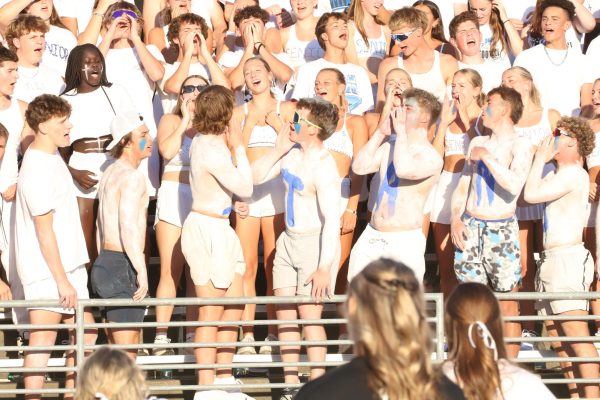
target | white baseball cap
[{"x": 122, "y": 124}]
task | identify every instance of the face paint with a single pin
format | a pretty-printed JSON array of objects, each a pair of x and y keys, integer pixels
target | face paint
[
  {"x": 87, "y": 71},
  {"x": 556, "y": 142},
  {"x": 142, "y": 144},
  {"x": 488, "y": 111}
]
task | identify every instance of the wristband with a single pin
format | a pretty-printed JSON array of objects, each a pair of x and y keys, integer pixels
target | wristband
[
  {"x": 505, "y": 21},
  {"x": 257, "y": 48},
  {"x": 351, "y": 211}
]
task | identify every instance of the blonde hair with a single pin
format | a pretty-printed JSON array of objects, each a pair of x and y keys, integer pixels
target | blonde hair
[
  {"x": 476, "y": 81},
  {"x": 408, "y": 17},
  {"x": 534, "y": 94},
  {"x": 356, "y": 13},
  {"x": 390, "y": 331},
  {"x": 475, "y": 365},
  {"x": 113, "y": 373}
]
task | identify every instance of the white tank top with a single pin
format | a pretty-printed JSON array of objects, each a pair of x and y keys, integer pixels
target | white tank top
[
  {"x": 456, "y": 143},
  {"x": 11, "y": 118},
  {"x": 432, "y": 80},
  {"x": 261, "y": 135},
  {"x": 301, "y": 52},
  {"x": 593, "y": 160},
  {"x": 340, "y": 141},
  {"x": 537, "y": 132},
  {"x": 181, "y": 161},
  {"x": 377, "y": 46}
]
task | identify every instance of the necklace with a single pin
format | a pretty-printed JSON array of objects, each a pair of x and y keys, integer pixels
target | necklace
[{"x": 550, "y": 58}]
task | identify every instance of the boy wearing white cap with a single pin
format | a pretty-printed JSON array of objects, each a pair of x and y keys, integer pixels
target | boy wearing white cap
[{"x": 119, "y": 272}]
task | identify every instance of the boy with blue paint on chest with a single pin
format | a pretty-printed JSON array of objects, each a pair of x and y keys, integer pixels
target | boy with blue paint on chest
[
  {"x": 307, "y": 253},
  {"x": 483, "y": 227},
  {"x": 566, "y": 266},
  {"x": 409, "y": 167}
]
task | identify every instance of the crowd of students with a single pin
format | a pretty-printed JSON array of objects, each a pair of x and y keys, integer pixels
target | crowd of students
[{"x": 282, "y": 121}]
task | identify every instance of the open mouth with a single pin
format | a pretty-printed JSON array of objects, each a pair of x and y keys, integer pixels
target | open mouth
[
  {"x": 344, "y": 36},
  {"x": 322, "y": 93},
  {"x": 39, "y": 50},
  {"x": 470, "y": 42}
]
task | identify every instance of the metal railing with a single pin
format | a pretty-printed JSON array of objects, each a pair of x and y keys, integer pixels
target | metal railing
[{"x": 188, "y": 362}]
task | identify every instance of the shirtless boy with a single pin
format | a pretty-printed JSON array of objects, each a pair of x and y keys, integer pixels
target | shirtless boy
[
  {"x": 409, "y": 166},
  {"x": 565, "y": 265},
  {"x": 483, "y": 226},
  {"x": 119, "y": 272},
  {"x": 210, "y": 246},
  {"x": 307, "y": 253}
]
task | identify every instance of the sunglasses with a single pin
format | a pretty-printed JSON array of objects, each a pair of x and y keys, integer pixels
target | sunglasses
[
  {"x": 119, "y": 13},
  {"x": 557, "y": 132},
  {"x": 191, "y": 88},
  {"x": 401, "y": 37},
  {"x": 298, "y": 118}
]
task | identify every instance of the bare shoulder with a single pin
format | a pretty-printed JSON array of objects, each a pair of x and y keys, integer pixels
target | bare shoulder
[{"x": 23, "y": 106}]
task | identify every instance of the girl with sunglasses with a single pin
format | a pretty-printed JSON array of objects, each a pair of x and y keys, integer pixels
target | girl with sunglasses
[
  {"x": 349, "y": 137},
  {"x": 536, "y": 123},
  {"x": 262, "y": 121},
  {"x": 59, "y": 40},
  {"x": 174, "y": 202}
]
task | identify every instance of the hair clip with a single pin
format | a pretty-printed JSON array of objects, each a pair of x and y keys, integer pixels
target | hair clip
[{"x": 486, "y": 337}]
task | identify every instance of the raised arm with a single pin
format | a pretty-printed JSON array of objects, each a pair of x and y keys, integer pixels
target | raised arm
[
  {"x": 415, "y": 162},
  {"x": 10, "y": 11},
  {"x": 269, "y": 166},
  {"x": 133, "y": 236},
  {"x": 171, "y": 131},
  {"x": 150, "y": 64}
]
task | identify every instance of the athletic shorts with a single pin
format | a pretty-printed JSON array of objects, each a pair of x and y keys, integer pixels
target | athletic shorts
[
  {"x": 407, "y": 247},
  {"x": 113, "y": 277},
  {"x": 492, "y": 254},
  {"x": 267, "y": 199},
  {"x": 212, "y": 250},
  {"x": 442, "y": 195},
  {"x": 174, "y": 203},
  {"x": 591, "y": 211},
  {"x": 46, "y": 289},
  {"x": 568, "y": 269},
  {"x": 296, "y": 258}
]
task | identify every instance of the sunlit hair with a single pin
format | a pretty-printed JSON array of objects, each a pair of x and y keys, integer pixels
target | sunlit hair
[
  {"x": 437, "y": 31},
  {"x": 427, "y": 102},
  {"x": 356, "y": 13},
  {"x": 177, "y": 108},
  {"x": 498, "y": 31},
  {"x": 73, "y": 73},
  {"x": 579, "y": 129},
  {"x": 340, "y": 80},
  {"x": 513, "y": 98},
  {"x": 321, "y": 113},
  {"x": 475, "y": 368},
  {"x": 54, "y": 17},
  {"x": 3, "y": 133},
  {"x": 165, "y": 15},
  {"x": 250, "y": 12},
  {"x": 112, "y": 373},
  {"x": 465, "y": 16},
  {"x": 214, "y": 108},
  {"x": 45, "y": 107},
  {"x": 534, "y": 94},
  {"x": 406, "y": 74},
  {"x": 22, "y": 25},
  {"x": 322, "y": 25},
  {"x": 476, "y": 81},
  {"x": 389, "y": 328},
  {"x": 122, "y": 5},
  {"x": 187, "y": 18},
  {"x": 408, "y": 17}
]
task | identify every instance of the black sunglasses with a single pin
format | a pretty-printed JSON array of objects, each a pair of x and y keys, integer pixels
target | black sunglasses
[{"x": 190, "y": 88}]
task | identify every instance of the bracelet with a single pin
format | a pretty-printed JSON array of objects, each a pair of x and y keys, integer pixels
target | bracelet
[
  {"x": 505, "y": 21},
  {"x": 98, "y": 14},
  {"x": 351, "y": 211},
  {"x": 257, "y": 48}
]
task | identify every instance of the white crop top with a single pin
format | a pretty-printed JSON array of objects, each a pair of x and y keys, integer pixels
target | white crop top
[
  {"x": 261, "y": 135},
  {"x": 181, "y": 161},
  {"x": 593, "y": 160},
  {"x": 301, "y": 52},
  {"x": 456, "y": 143},
  {"x": 431, "y": 81},
  {"x": 340, "y": 141},
  {"x": 536, "y": 133}
]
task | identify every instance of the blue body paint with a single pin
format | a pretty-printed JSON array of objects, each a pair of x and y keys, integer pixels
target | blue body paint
[
  {"x": 227, "y": 211},
  {"x": 294, "y": 183},
  {"x": 142, "y": 144},
  {"x": 545, "y": 223},
  {"x": 389, "y": 185},
  {"x": 488, "y": 111},
  {"x": 484, "y": 176}
]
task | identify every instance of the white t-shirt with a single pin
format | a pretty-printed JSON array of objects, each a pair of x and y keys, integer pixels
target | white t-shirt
[
  {"x": 358, "y": 86},
  {"x": 59, "y": 43},
  {"x": 517, "y": 383},
  {"x": 593, "y": 60},
  {"x": 496, "y": 55},
  {"x": 559, "y": 85},
  {"x": 490, "y": 71},
  {"x": 45, "y": 185},
  {"x": 13, "y": 121},
  {"x": 33, "y": 82}
]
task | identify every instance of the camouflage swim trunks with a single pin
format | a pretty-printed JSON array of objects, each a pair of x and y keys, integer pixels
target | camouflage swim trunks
[{"x": 492, "y": 254}]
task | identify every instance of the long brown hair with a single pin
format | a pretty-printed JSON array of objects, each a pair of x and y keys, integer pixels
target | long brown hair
[
  {"x": 475, "y": 361},
  {"x": 498, "y": 31},
  {"x": 356, "y": 14},
  {"x": 390, "y": 330}
]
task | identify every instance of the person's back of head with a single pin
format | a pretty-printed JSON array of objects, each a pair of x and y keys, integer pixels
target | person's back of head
[
  {"x": 110, "y": 373},
  {"x": 473, "y": 325},
  {"x": 387, "y": 321}
]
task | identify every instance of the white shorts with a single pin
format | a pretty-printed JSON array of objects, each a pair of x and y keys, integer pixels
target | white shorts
[
  {"x": 429, "y": 201},
  {"x": 212, "y": 250},
  {"x": 442, "y": 196},
  {"x": 345, "y": 195},
  {"x": 407, "y": 247},
  {"x": 174, "y": 203},
  {"x": 93, "y": 162},
  {"x": 591, "y": 211},
  {"x": 267, "y": 199},
  {"x": 46, "y": 289}
]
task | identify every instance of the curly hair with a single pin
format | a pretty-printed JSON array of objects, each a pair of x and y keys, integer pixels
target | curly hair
[
  {"x": 579, "y": 129},
  {"x": 214, "y": 108},
  {"x": 408, "y": 17},
  {"x": 23, "y": 25},
  {"x": 187, "y": 18},
  {"x": 45, "y": 107},
  {"x": 465, "y": 16},
  {"x": 250, "y": 12}
]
